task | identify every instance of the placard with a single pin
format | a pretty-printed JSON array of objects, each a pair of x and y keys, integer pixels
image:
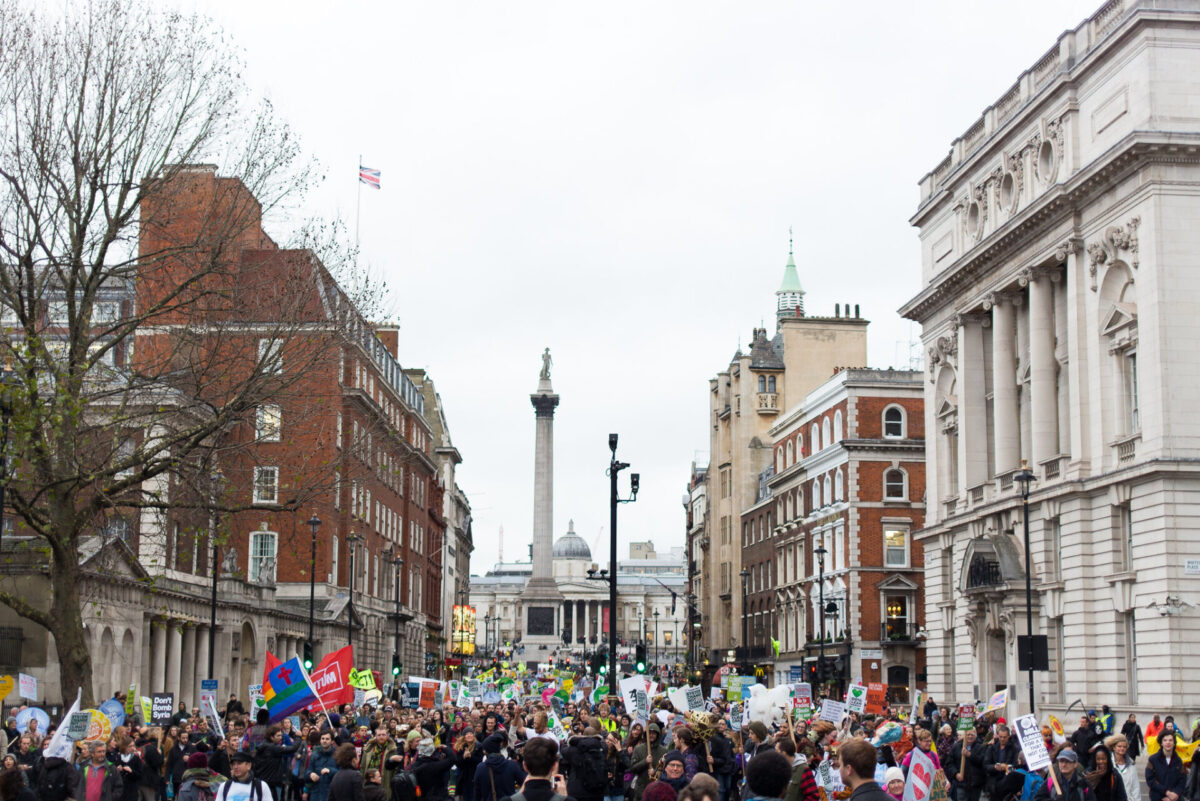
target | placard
[
  {"x": 735, "y": 717},
  {"x": 997, "y": 701},
  {"x": 28, "y": 686},
  {"x": 77, "y": 725},
  {"x": 966, "y": 717},
  {"x": 428, "y": 695},
  {"x": 802, "y": 694},
  {"x": 940, "y": 788},
  {"x": 208, "y": 690},
  {"x": 130, "y": 699},
  {"x": 162, "y": 707},
  {"x": 147, "y": 708},
  {"x": 641, "y": 704},
  {"x": 856, "y": 698},
  {"x": 99, "y": 727},
  {"x": 1029, "y": 735},
  {"x": 257, "y": 699},
  {"x": 920, "y": 777},
  {"x": 876, "y": 698},
  {"x": 114, "y": 710},
  {"x": 410, "y": 694},
  {"x": 695, "y": 698},
  {"x": 833, "y": 711},
  {"x": 6, "y": 686},
  {"x": 360, "y": 698}
]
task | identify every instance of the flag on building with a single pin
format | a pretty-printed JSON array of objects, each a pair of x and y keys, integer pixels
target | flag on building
[
  {"x": 369, "y": 176},
  {"x": 287, "y": 690}
]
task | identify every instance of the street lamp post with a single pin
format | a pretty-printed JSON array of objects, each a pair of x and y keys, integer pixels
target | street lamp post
[
  {"x": 352, "y": 541},
  {"x": 745, "y": 574},
  {"x": 656, "y": 639},
  {"x": 399, "y": 563},
  {"x": 614, "y": 470},
  {"x": 1026, "y": 477},
  {"x": 820, "y": 554},
  {"x": 216, "y": 569},
  {"x": 487, "y": 633}
]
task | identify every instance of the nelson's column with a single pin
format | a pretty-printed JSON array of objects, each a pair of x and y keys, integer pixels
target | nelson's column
[{"x": 542, "y": 599}]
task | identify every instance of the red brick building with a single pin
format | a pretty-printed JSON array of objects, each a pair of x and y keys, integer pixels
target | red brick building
[
  {"x": 332, "y": 427},
  {"x": 848, "y": 492}
]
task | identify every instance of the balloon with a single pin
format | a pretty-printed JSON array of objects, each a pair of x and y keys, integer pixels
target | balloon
[{"x": 23, "y": 717}]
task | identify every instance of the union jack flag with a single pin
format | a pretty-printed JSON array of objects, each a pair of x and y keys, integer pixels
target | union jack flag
[{"x": 368, "y": 176}]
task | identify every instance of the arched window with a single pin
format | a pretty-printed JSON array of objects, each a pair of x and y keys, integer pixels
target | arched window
[
  {"x": 799, "y": 446},
  {"x": 762, "y": 383},
  {"x": 893, "y": 422},
  {"x": 791, "y": 455},
  {"x": 780, "y": 464},
  {"x": 828, "y": 490},
  {"x": 837, "y": 486},
  {"x": 770, "y": 383},
  {"x": 825, "y": 434},
  {"x": 816, "y": 494},
  {"x": 814, "y": 437},
  {"x": 893, "y": 485},
  {"x": 837, "y": 426}
]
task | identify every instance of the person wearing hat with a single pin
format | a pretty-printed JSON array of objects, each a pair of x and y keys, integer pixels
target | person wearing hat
[
  {"x": 674, "y": 770},
  {"x": 197, "y": 779},
  {"x": 893, "y": 782},
  {"x": 430, "y": 767},
  {"x": 1067, "y": 782},
  {"x": 645, "y": 757},
  {"x": 242, "y": 786},
  {"x": 496, "y": 776}
]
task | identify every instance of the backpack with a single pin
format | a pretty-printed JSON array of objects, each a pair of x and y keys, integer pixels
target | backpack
[
  {"x": 404, "y": 786},
  {"x": 519, "y": 796},
  {"x": 256, "y": 793}
]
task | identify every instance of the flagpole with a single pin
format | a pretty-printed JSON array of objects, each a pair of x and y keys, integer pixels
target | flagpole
[{"x": 358, "y": 203}]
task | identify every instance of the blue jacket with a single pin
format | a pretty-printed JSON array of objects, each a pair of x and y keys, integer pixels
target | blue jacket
[
  {"x": 317, "y": 762},
  {"x": 507, "y": 774},
  {"x": 1161, "y": 776}
]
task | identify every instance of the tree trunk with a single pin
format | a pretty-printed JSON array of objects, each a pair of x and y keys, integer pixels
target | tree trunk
[{"x": 70, "y": 639}]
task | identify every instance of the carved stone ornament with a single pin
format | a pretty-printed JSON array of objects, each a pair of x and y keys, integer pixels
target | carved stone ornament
[
  {"x": 1024, "y": 277},
  {"x": 1115, "y": 239}
]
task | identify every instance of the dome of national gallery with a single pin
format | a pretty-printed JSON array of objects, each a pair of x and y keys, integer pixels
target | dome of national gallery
[{"x": 571, "y": 545}]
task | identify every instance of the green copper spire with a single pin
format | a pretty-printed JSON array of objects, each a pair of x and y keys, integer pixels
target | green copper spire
[{"x": 790, "y": 294}]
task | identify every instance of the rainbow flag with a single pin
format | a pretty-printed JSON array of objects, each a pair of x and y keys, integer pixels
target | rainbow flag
[{"x": 287, "y": 689}]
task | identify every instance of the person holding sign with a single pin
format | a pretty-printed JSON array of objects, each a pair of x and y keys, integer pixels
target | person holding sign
[
  {"x": 858, "y": 771},
  {"x": 1000, "y": 763},
  {"x": 965, "y": 761},
  {"x": 1066, "y": 782}
]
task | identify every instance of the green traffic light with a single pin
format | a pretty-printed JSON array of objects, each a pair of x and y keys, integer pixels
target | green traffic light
[
  {"x": 308, "y": 664},
  {"x": 604, "y": 668},
  {"x": 641, "y": 667}
]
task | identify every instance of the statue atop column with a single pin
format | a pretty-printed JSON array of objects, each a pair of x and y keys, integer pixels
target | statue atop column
[{"x": 546, "y": 363}]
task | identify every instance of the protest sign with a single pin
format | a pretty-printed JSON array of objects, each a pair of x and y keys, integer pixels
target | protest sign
[
  {"x": 735, "y": 717},
  {"x": 475, "y": 688},
  {"x": 409, "y": 695},
  {"x": 627, "y": 687},
  {"x": 360, "y": 698},
  {"x": 362, "y": 679},
  {"x": 1029, "y": 735},
  {"x": 641, "y": 703},
  {"x": 918, "y": 702},
  {"x": 966, "y": 717},
  {"x": 6, "y": 686},
  {"x": 77, "y": 725},
  {"x": 940, "y": 788},
  {"x": 802, "y": 713},
  {"x": 257, "y": 699},
  {"x": 997, "y": 701},
  {"x": 147, "y": 707},
  {"x": 130, "y": 699},
  {"x": 856, "y": 698},
  {"x": 162, "y": 707},
  {"x": 802, "y": 694},
  {"x": 99, "y": 726},
  {"x": 876, "y": 698},
  {"x": 428, "y": 695},
  {"x": 920, "y": 777},
  {"x": 28, "y": 686},
  {"x": 114, "y": 710},
  {"x": 695, "y": 698},
  {"x": 208, "y": 689},
  {"x": 60, "y": 745},
  {"x": 832, "y": 711}
]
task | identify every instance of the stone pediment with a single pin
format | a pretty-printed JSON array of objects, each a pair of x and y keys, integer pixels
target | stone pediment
[
  {"x": 1121, "y": 315},
  {"x": 898, "y": 583},
  {"x": 991, "y": 563},
  {"x": 112, "y": 558}
]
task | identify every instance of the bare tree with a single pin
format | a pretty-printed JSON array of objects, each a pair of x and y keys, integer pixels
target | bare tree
[{"x": 148, "y": 320}]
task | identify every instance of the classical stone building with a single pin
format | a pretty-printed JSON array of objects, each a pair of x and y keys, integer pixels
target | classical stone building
[
  {"x": 745, "y": 399},
  {"x": 847, "y": 492},
  {"x": 1058, "y": 305}
]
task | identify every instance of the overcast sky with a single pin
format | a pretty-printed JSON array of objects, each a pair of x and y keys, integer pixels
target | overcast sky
[{"x": 615, "y": 181}]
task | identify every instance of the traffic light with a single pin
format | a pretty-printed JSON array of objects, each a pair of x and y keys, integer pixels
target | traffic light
[
  {"x": 640, "y": 659},
  {"x": 603, "y": 669},
  {"x": 308, "y": 656},
  {"x": 396, "y": 666}
]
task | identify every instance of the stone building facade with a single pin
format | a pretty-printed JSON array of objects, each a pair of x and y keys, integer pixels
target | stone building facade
[
  {"x": 1057, "y": 307},
  {"x": 848, "y": 478}
]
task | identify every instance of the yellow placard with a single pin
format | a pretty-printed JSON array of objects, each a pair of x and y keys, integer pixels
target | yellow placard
[
  {"x": 100, "y": 727},
  {"x": 6, "y": 686}
]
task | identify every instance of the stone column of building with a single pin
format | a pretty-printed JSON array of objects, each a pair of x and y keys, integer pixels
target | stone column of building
[
  {"x": 1043, "y": 369},
  {"x": 174, "y": 652},
  {"x": 158, "y": 658},
  {"x": 202, "y": 656},
  {"x": 187, "y": 679},
  {"x": 972, "y": 414},
  {"x": 1005, "y": 414}
]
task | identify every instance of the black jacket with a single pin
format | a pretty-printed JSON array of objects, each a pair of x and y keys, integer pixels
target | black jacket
[
  {"x": 131, "y": 778},
  {"x": 506, "y": 773},
  {"x": 1135, "y": 738},
  {"x": 177, "y": 761},
  {"x": 1083, "y": 739},
  {"x": 219, "y": 761},
  {"x": 973, "y": 771},
  {"x": 55, "y": 780},
  {"x": 1000, "y": 755},
  {"x": 870, "y": 791},
  {"x": 268, "y": 763},
  {"x": 430, "y": 773},
  {"x": 152, "y": 765},
  {"x": 1162, "y": 776},
  {"x": 578, "y": 751},
  {"x": 1076, "y": 789},
  {"x": 616, "y": 763},
  {"x": 111, "y": 787},
  {"x": 721, "y": 748},
  {"x": 346, "y": 785}
]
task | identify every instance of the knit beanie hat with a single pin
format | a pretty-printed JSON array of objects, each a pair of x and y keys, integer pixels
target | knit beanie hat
[
  {"x": 197, "y": 760},
  {"x": 659, "y": 791}
]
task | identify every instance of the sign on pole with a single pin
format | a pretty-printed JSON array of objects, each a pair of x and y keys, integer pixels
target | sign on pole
[
  {"x": 162, "y": 706},
  {"x": 208, "y": 691},
  {"x": 920, "y": 777},
  {"x": 1029, "y": 734},
  {"x": 856, "y": 698},
  {"x": 28, "y": 686}
]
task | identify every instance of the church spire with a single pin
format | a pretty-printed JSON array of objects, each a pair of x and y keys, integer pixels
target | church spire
[{"x": 790, "y": 295}]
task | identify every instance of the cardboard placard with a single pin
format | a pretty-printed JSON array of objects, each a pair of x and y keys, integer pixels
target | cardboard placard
[
  {"x": 966, "y": 717},
  {"x": 833, "y": 711},
  {"x": 940, "y": 788},
  {"x": 428, "y": 695},
  {"x": 28, "y": 686},
  {"x": 920, "y": 777},
  {"x": 77, "y": 725},
  {"x": 802, "y": 694},
  {"x": 641, "y": 703},
  {"x": 6, "y": 686},
  {"x": 162, "y": 707},
  {"x": 856, "y": 698},
  {"x": 876, "y": 698},
  {"x": 1029, "y": 735},
  {"x": 735, "y": 717}
]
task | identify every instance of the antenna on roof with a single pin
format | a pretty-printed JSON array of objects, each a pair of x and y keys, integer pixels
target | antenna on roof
[
  {"x": 790, "y": 241},
  {"x": 500, "y": 555}
]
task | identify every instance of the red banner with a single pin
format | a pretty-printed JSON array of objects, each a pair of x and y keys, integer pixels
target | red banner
[{"x": 331, "y": 679}]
